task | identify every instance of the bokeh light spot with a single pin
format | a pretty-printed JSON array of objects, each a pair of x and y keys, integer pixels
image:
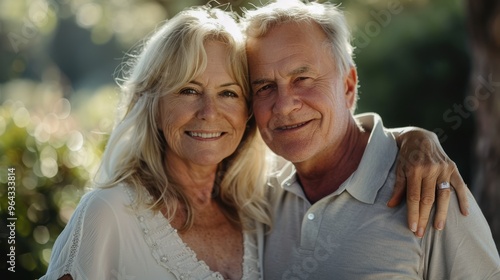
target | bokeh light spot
[
  {"x": 27, "y": 261},
  {"x": 41, "y": 234},
  {"x": 62, "y": 108},
  {"x": 89, "y": 15},
  {"x": 18, "y": 66},
  {"x": 45, "y": 256},
  {"x": 48, "y": 152},
  {"x": 49, "y": 167},
  {"x": 30, "y": 182},
  {"x": 42, "y": 134},
  {"x": 21, "y": 117},
  {"x": 65, "y": 212},
  {"x": 51, "y": 122},
  {"x": 48, "y": 162},
  {"x": 38, "y": 12},
  {"x": 75, "y": 141}
]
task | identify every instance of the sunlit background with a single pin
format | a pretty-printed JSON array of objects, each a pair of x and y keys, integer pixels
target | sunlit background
[{"x": 58, "y": 96}]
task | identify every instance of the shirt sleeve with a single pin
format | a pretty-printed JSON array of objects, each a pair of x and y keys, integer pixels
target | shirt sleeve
[
  {"x": 89, "y": 246},
  {"x": 464, "y": 249}
]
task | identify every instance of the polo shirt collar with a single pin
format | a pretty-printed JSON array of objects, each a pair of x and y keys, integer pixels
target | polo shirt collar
[
  {"x": 372, "y": 172},
  {"x": 286, "y": 178},
  {"x": 378, "y": 158}
]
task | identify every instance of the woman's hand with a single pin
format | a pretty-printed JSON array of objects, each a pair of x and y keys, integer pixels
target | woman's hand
[{"x": 421, "y": 169}]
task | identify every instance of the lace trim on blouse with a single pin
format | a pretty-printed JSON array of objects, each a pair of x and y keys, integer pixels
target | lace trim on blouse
[
  {"x": 172, "y": 253},
  {"x": 76, "y": 237}
]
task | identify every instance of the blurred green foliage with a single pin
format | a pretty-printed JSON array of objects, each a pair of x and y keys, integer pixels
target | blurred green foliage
[
  {"x": 54, "y": 157},
  {"x": 58, "y": 97}
]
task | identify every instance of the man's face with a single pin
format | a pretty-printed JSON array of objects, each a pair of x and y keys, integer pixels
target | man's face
[{"x": 301, "y": 105}]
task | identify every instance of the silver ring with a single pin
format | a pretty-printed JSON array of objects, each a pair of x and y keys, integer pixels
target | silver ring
[{"x": 443, "y": 185}]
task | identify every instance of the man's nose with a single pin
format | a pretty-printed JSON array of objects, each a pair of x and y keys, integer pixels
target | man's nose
[{"x": 286, "y": 101}]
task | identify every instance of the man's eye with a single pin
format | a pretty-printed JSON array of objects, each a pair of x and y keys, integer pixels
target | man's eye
[
  {"x": 188, "y": 91},
  {"x": 264, "y": 90}
]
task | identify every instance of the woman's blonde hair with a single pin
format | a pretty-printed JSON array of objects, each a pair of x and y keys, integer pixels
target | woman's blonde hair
[{"x": 170, "y": 58}]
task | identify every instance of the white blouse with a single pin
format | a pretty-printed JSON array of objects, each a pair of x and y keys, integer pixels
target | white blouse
[{"x": 107, "y": 239}]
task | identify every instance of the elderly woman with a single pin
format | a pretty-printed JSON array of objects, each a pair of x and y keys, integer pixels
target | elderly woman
[
  {"x": 180, "y": 190},
  {"x": 182, "y": 181}
]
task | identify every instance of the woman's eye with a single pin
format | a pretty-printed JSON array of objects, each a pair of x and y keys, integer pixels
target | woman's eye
[
  {"x": 188, "y": 91},
  {"x": 228, "y": 93}
]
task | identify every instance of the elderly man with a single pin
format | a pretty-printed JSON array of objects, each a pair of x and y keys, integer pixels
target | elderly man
[{"x": 330, "y": 214}]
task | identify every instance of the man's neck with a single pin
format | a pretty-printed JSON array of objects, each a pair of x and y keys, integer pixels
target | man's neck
[{"x": 321, "y": 176}]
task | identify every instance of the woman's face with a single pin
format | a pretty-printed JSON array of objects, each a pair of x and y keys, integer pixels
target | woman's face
[{"x": 204, "y": 121}]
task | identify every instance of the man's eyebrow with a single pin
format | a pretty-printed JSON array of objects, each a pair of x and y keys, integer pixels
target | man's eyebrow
[
  {"x": 300, "y": 70},
  {"x": 260, "y": 81},
  {"x": 294, "y": 72}
]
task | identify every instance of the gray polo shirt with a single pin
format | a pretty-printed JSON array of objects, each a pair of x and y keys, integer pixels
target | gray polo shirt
[{"x": 352, "y": 234}]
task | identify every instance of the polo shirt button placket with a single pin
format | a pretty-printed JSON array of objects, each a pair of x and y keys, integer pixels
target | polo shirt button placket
[
  {"x": 309, "y": 232},
  {"x": 310, "y": 216}
]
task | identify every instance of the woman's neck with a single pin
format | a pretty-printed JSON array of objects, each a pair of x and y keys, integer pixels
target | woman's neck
[{"x": 197, "y": 181}]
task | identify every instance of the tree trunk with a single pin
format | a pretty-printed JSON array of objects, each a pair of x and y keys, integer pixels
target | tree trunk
[{"x": 484, "y": 100}]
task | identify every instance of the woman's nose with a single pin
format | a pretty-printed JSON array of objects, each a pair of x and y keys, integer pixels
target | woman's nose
[{"x": 208, "y": 108}]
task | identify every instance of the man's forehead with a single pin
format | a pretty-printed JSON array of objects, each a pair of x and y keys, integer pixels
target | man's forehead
[{"x": 286, "y": 39}]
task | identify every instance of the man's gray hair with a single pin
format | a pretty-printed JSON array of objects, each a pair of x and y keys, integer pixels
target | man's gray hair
[{"x": 329, "y": 17}]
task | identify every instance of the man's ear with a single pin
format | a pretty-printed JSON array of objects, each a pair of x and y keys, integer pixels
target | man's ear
[{"x": 350, "y": 86}]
